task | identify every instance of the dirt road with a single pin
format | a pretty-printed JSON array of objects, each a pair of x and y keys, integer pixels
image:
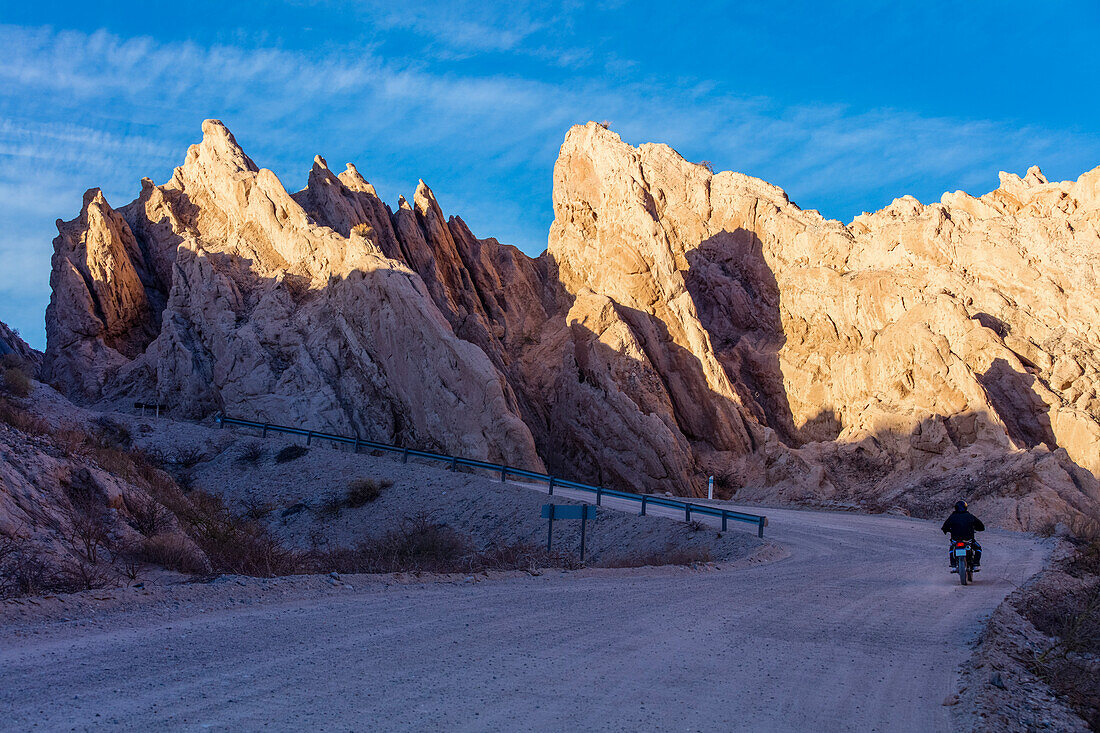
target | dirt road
[{"x": 861, "y": 627}]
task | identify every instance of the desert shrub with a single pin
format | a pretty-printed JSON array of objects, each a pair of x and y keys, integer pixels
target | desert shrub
[
  {"x": 15, "y": 376},
  {"x": 420, "y": 544},
  {"x": 77, "y": 573},
  {"x": 256, "y": 509},
  {"x": 364, "y": 490},
  {"x": 708, "y": 165},
  {"x": 668, "y": 556},
  {"x": 27, "y": 569},
  {"x": 252, "y": 453},
  {"x": 290, "y": 453},
  {"x": 147, "y": 516},
  {"x": 174, "y": 552},
  {"x": 21, "y": 420},
  {"x": 189, "y": 457},
  {"x": 112, "y": 434},
  {"x": 233, "y": 543}
]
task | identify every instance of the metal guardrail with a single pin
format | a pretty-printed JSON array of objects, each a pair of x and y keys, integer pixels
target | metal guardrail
[{"x": 553, "y": 482}]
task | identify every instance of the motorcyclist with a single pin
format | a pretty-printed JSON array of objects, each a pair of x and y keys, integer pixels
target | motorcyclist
[{"x": 962, "y": 525}]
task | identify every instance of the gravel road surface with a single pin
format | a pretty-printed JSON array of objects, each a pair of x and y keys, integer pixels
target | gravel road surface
[{"x": 860, "y": 627}]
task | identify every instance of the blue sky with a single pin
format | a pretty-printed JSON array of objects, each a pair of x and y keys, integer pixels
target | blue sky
[{"x": 845, "y": 107}]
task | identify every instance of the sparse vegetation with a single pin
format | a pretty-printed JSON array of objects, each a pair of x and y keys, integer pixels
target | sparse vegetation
[
  {"x": 290, "y": 453},
  {"x": 252, "y": 453},
  {"x": 669, "y": 556},
  {"x": 364, "y": 490},
  {"x": 708, "y": 165},
  {"x": 15, "y": 376},
  {"x": 423, "y": 545},
  {"x": 1064, "y": 605}
]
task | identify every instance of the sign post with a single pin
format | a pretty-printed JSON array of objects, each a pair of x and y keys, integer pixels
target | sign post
[
  {"x": 583, "y": 512},
  {"x": 710, "y": 487}
]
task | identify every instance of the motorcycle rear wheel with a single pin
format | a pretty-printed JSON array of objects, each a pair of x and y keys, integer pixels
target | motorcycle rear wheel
[{"x": 963, "y": 570}]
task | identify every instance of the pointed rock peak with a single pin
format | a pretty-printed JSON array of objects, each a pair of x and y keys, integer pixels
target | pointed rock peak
[
  {"x": 218, "y": 146},
  {"x": 93, "y": 195},
  {"x": 1008, "y": 179},
  {"x": 424, "y": 197},
  {"x": 402, "y": 203},
  {"x": 1035, "y": 176},
  {"x": 319, "y": 162},
  {"x": 354, "y": 181}
]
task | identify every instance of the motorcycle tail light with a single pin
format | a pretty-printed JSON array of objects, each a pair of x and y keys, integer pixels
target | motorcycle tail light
[{"x": 960, "y": 544}]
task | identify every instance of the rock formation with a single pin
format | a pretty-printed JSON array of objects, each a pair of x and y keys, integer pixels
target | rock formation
[
  {"x": 680, "y": 324},
  {"x": 12, "y": 343}
]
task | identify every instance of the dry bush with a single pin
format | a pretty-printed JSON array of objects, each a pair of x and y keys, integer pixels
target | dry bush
[
  {"x": 290, "y": 452},
  {"x": 174, "y": 552},
  {"x": 76, "y": 573},
  {"x": 233, "y": 543},
  {"x": 256, "y": 509},
  {"x": 252, "y": 453},
  {"x": 147, "y": 516},
  {"x": 364, "y": 490},
  {"x": 108, "y": 433},
  {"x": 668, "y": 556},
  {"x": 423, "y": 545},
  {"x": 189, "y": 457},
  {"x": 21, "y": 420},
  {"x": 15, "y": 376},
  {"x": 27, "y": 569}
]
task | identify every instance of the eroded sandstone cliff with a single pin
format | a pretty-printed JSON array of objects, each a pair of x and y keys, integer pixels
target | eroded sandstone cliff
[{"x": 680, "y": 324}]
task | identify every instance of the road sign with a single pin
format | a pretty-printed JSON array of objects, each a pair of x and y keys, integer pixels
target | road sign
[
  {"x": 583, "y": 512},
  {"x": 568, "y": 511}
]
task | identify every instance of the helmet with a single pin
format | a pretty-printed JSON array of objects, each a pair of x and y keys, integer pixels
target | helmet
[{"x": 960, "y": 506}]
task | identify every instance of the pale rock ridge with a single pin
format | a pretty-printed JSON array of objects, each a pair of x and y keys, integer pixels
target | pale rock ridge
[
  {"x": 681, "y": 323},
  {"x": 272, "y": 316}
]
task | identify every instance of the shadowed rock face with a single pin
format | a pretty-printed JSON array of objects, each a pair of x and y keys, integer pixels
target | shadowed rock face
[
  {"x": 12, "y": 343},
  {"x": 680, "y": 324}
]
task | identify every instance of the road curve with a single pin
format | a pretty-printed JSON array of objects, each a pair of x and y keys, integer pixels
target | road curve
[{"x": 860, "y": 627}]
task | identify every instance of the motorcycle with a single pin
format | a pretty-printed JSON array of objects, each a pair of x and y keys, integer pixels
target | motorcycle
[{"x": 963, "y": 559}]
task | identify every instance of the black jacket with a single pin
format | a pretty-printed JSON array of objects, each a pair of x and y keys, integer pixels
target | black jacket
[{"x": 962, "y": 525}]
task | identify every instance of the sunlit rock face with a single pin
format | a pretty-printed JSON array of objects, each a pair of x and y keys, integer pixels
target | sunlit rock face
[{"x": 681, "y": 324}]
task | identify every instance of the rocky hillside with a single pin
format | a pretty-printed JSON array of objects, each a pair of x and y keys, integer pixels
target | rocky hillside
[
  {"x": 681, "y": 323},
  {"x": 12, "y": 343}
]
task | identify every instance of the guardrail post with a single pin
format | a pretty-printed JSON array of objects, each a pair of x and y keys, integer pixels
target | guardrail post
[
  {"x": 599, "y": 495},
  {"x": 454, "y": 463},
  {"x": 687, "y": 512},
  {"x": 309, "y": 437},
  {"x": 357, "y": 445},
  {"x": 724, "y": 515},
  {"x": 503, "y": 474},
  {"x": 643, "y": 504},
  {"x": 264, "y": 433},
  {"x": 405, "y": 456},
  {"x": 760, "y": 527},
  {"x": 551, "y": 492}
]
